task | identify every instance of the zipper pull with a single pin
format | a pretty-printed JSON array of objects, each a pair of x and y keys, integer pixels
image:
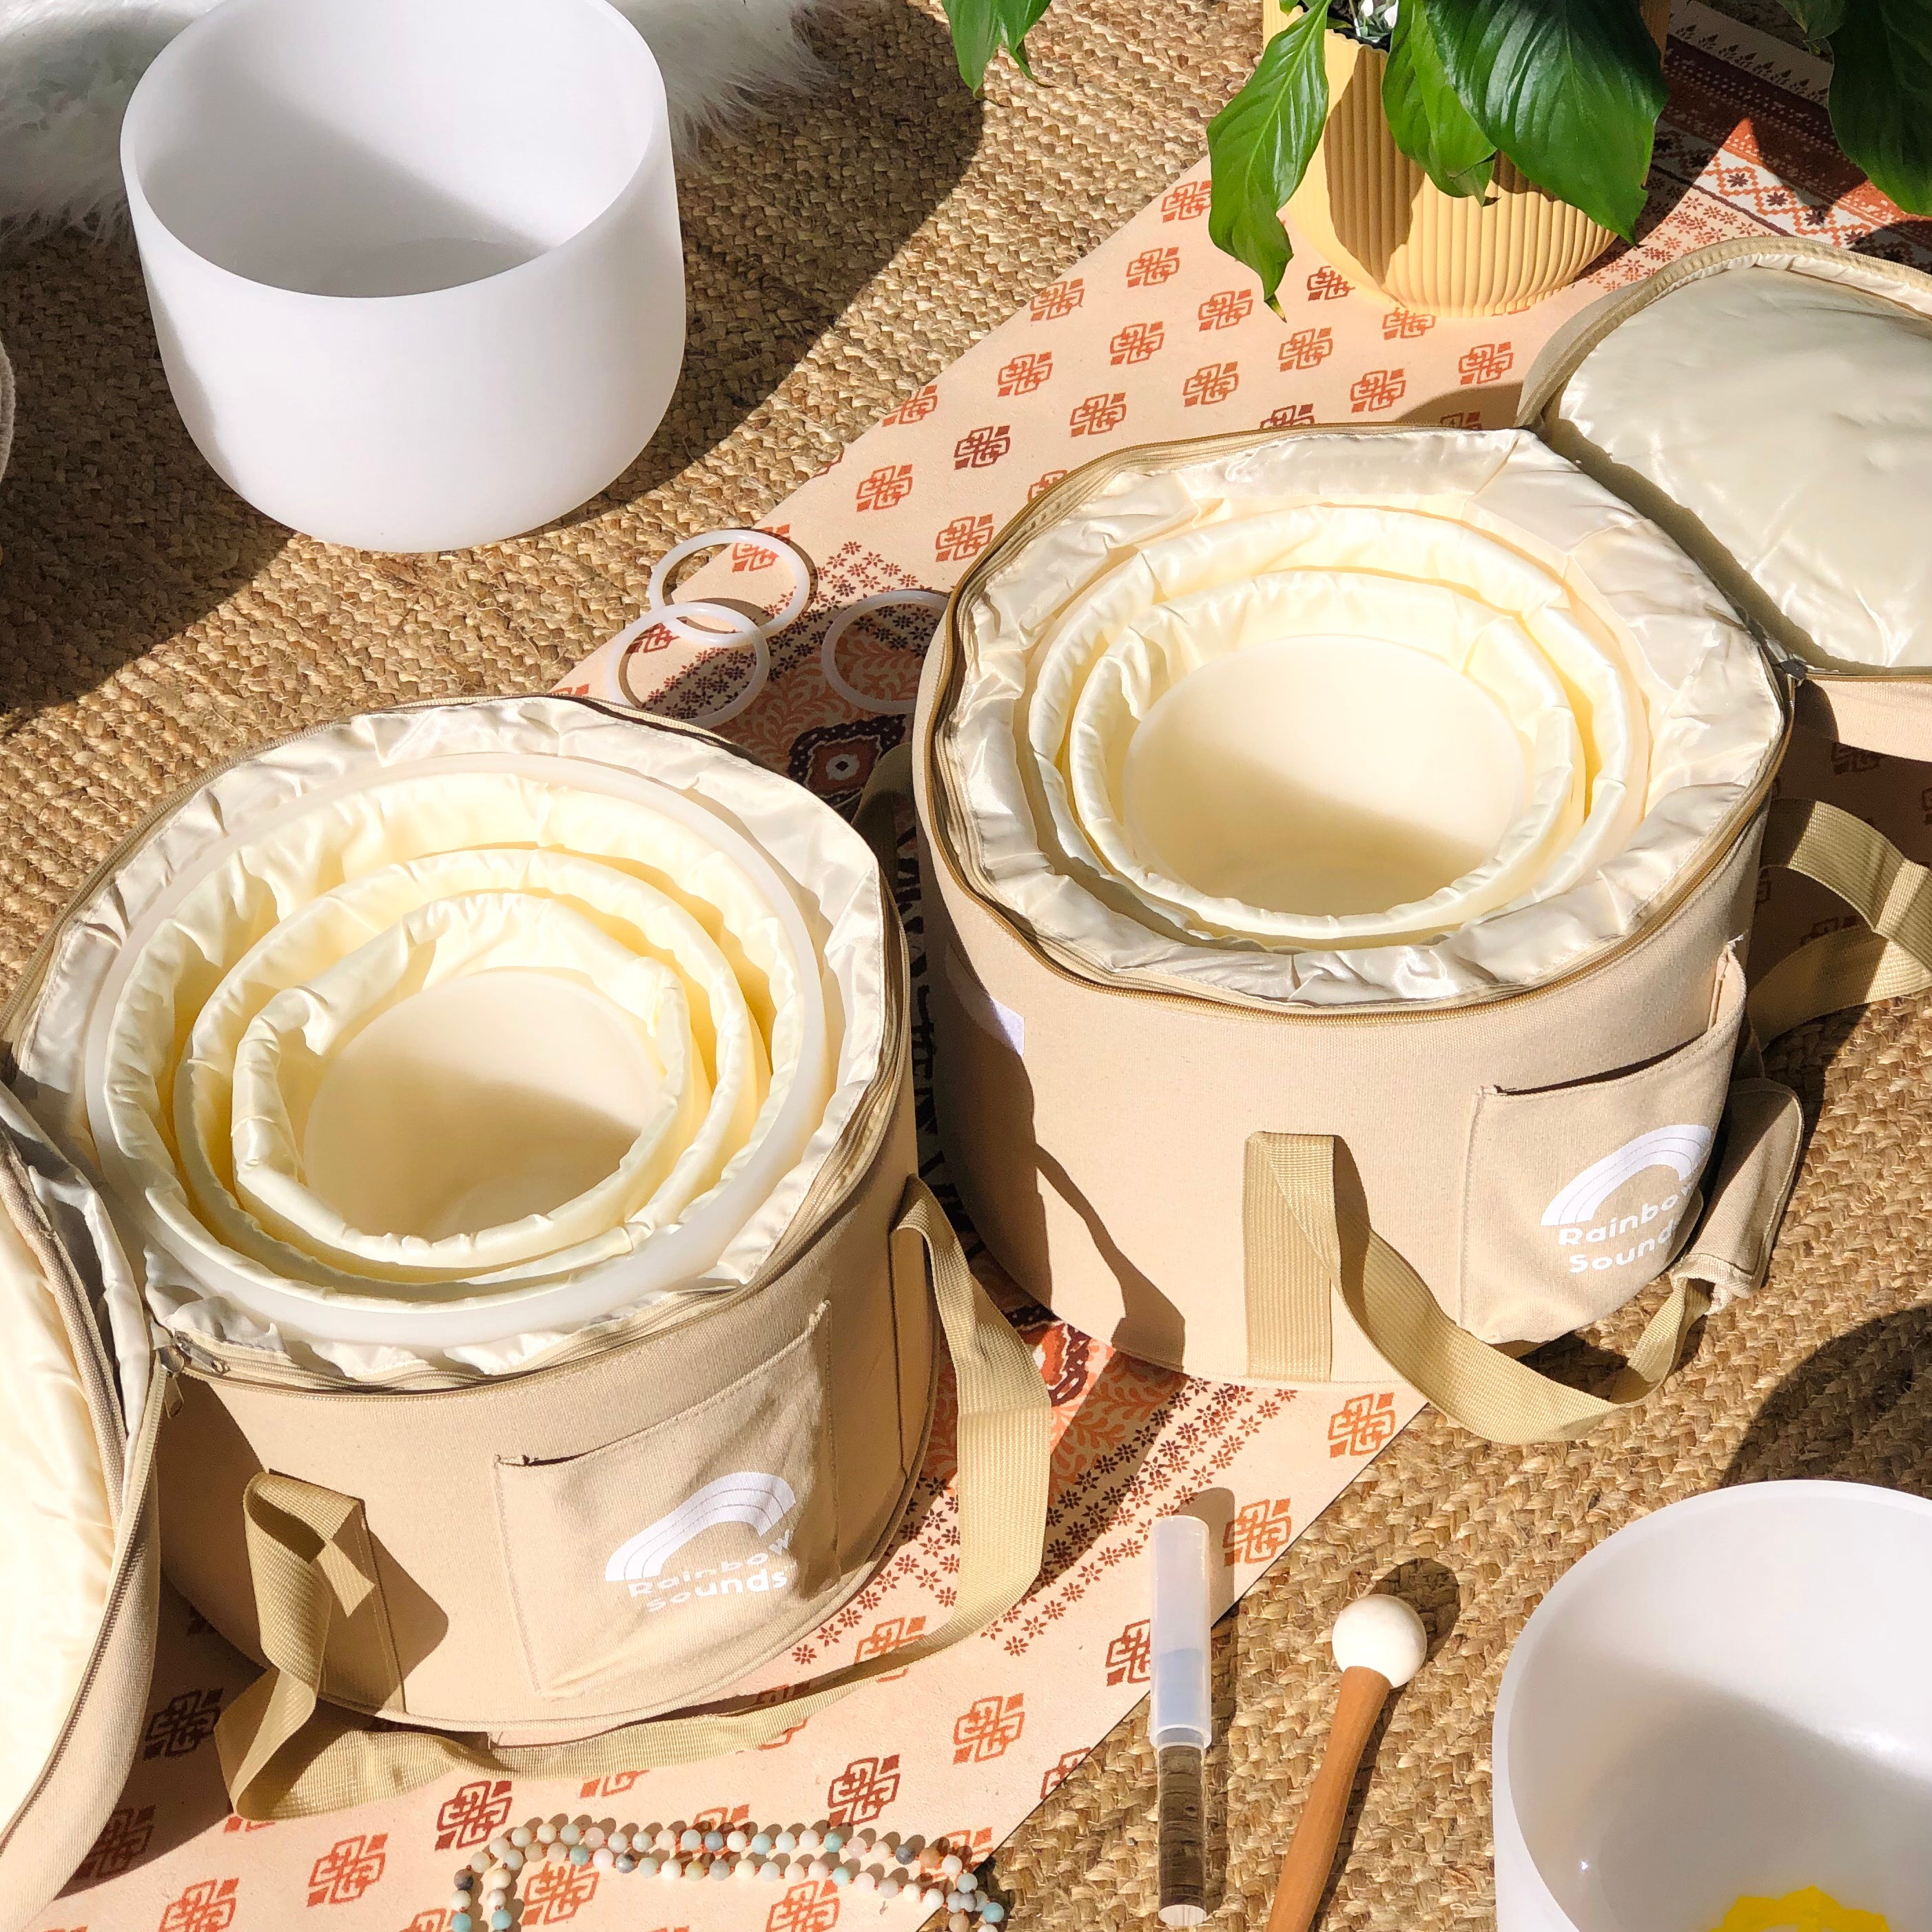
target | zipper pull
[{"x": 180, "y": 1358}]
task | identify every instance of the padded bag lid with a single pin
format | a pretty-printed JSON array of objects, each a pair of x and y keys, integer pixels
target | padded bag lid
[
  {"x": 1769, "y": 403},
  {"x": 80, "y": 1404}
]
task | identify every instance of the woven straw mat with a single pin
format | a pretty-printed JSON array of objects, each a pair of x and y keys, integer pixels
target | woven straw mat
[{"x": 841, "y": 250}]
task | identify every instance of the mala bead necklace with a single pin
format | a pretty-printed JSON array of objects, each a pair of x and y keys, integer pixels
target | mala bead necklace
[{"x": 884, "y": 1864}]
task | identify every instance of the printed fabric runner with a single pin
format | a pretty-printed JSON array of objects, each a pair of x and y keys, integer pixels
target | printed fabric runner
[{"x": 1153, "y": 336}]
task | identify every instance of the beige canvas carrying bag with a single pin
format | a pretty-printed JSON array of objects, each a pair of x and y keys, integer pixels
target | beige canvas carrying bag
[
  {"x": 1322, "y": 1196},
  {"x": 434, "y": 1555}
]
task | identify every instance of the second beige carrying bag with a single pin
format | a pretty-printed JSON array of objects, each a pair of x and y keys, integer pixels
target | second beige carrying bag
[
  {"x": 458, "y": 1526},
  {"x": 1428, "y": 1154}
]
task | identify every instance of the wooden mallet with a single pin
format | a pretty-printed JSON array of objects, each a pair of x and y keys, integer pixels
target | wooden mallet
[{"x": 1379, "y": 1643}]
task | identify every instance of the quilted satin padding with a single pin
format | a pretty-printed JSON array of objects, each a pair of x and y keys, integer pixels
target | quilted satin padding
[
  {"x": 430, "y": 1039},
  {"x": 58, "y": 1520},
  {"x": 1641, "y": 710},
  {"x": 1784, "y": 413}
]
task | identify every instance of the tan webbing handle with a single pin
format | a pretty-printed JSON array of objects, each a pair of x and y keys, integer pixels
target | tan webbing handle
[
  {"x": 1294, "y": 1235},
  {"x": 1472, "y": 1383},
  {"x": 1892, "y": 955},
  {"x": 287, "y": 1755}
]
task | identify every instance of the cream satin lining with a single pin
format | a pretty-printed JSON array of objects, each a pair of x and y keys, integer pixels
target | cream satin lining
[
  {"x": 1484, "y": 553},
  {"x": 1787, "y": 410},
  {"x": 60, "y": 1516},
  {"x": 438, "y": 1037}
]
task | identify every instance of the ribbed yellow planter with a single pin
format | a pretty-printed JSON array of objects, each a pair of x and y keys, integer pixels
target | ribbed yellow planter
[{"x": 1367, "y": 208}]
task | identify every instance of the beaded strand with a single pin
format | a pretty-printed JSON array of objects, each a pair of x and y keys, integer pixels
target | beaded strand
[{"x": 486, "y": 1888}]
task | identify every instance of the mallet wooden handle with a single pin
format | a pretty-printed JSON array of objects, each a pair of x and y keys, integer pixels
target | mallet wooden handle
[{"x": 1311, "y": 1852}]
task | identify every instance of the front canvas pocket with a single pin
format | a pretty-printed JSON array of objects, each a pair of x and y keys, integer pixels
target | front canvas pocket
[
  {"x": 1576, "y": 1197},
  {"x": 670, "y": 1561}
]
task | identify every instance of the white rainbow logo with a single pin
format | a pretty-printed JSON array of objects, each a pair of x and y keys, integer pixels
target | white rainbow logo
[
  {"x": 748, "y": 1496},
  {"x": 1681, "y": 1149}
]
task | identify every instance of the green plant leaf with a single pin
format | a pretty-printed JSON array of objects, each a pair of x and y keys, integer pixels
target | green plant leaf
[
  {"x": 1259, "y": 146},
  {"x": 1817, "y": 20},
  {"x": 1430, "y": 124},
  {"x": 1570, "y": 90},
  {"x": 1882, "y": 96},
  {"x": 981, "y": 28}
]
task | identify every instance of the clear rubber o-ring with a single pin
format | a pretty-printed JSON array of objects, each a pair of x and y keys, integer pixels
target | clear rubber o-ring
[
  {"x": 747, "y": 630},
  {"x": 776, "y": 548},
  {"x": 828, "y": 651}
]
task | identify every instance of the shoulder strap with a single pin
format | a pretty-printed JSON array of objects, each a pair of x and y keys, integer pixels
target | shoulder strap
[{"x": 285, "y": 1754}]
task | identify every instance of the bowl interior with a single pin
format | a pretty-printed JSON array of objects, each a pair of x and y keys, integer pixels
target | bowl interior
[
  {"x": 1322, "y": 775},
  {"x": 370, "y": 147},
  {"x": 1732, "y": 1699}
]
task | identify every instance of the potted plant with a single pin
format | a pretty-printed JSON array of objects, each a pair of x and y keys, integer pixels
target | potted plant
[{"x": 1468, "y": 156}]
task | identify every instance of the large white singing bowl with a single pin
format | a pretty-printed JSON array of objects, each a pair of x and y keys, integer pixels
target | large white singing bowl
[
  {"x": 1731, "y": 1698},
  {"x": 415, "y": 268}
]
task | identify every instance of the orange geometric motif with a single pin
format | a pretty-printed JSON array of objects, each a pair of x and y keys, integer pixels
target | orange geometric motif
[
  {"x": 1225, "y": 309},
  {"x": 182, "y": 1724},
  {"x": 1306, "y": 347},
  {"x": 1025, "y": 374},
  {"x": 348, "y": 1869},
  {"x": 981, "y": 448},
  {"x": 1043, "y": 482},
  {"x": 1214, "y": 382},
  {"x": 1153, "y": 266},
  {"x": 554, "y": 1892},
  {"x": 750, "y": 556},
  {"x": 893, "y": 1634},
  {"x": 1127, "y": 1655},
  {"x": 1059, "y": 299},
  {"x": 1379, "y": 389},
  {"x": 811, "y": 1907},
  {"x": 1325, "y": 284},
  {"x": 914, "y": 409},
  {"x": 1847, "y": 759},
  {"x": 1463, "y": 419},
  {"x": 473, "y": 1813},
  {"x": 235, "y": 1822},
  {"x": 1399, "y": 324},
  {"x": 862, "y": 1790},
  {"x": 1362, "y": 1425},
  {"x": 208, "y": 1907},
  {"x": 988, "y": 1728},
  {"x": 123, "y": 1839},
  {"x": 1137, "y": 342},
  {"x": 890, "y": 484},
  {"x": 964, "y": 537},
  {"x": 437, "y": 1921},
  {"x": 1058, "y": 1774},
  {"x": 610, "y": 1785},
  {"x": 1187, "y": 203},
  {"x": 1290, "y": 415},
  {"x": 1259, "y": 1532},
  {"x": 1487, "y": 362},
  {"x": 1098, "y": 414}
]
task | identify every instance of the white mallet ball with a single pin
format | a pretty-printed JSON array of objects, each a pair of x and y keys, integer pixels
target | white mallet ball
[{"x": 1382, "y": 1634}]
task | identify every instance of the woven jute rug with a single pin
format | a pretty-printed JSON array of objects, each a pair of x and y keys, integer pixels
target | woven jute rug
[{"x": 842, "y": 251}]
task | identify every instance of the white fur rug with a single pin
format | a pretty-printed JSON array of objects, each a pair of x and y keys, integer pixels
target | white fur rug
[{"x": 67, "y": 67}]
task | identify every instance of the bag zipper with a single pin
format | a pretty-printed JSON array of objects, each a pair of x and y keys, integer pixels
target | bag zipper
[
  {"x": 1159, "y": 457},
  {"x": 865, "y": 1133}
]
